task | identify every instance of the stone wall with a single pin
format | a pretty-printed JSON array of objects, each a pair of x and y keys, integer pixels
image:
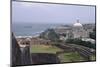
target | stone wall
[
  {"x": 15, "y": 53},
  {"x": 44, "y": 58},
  {"x": 25, "y": 56}
]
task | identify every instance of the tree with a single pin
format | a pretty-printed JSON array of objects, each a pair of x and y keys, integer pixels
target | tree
[
  {"x": 93, "y": 34},
  {"x": 80, "y": 42},
  {"x": 50, "y": 34},
  {"x": 42, "y": 35}
]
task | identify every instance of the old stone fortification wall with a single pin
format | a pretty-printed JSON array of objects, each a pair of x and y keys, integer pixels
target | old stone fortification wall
[
  {"x": 15, "y": 53},
  {"x": 44, "y": 58}
]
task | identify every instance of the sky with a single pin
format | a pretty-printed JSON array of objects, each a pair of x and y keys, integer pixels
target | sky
[{"x": 27, "y": 12}]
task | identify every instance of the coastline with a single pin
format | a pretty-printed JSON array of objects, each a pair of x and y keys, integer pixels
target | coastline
[{"x": 27, "y": 36}]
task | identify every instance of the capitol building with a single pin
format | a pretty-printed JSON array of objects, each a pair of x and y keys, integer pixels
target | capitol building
[{"x": 70, "y": 32}]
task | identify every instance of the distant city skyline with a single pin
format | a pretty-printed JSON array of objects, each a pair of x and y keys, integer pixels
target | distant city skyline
[{"x": 26, "y": 12}]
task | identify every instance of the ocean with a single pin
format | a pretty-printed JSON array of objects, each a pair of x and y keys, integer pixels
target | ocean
[{"x": 30, "y": 29}]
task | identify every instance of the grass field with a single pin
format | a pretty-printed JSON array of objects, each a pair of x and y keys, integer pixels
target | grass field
[
  {"x": 64, "y": 57},
  {"x": 70, "y": 57},
  {"x": 44, "y": 49},
  {"x": 93, "y": 57}
]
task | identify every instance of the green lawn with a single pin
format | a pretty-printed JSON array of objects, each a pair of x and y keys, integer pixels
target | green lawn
[
  {"x": 70, "y": 57},
  {"x": 93, "y": 57},
  {"x": 44, "y": 49},
  {"x": 64, "y": 57}
]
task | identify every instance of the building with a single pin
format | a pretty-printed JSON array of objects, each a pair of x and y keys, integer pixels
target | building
[
  {"x": 40, "y": 41},
  {"x": 78, "y": 31},
  {"x": 75, "y": 31}
]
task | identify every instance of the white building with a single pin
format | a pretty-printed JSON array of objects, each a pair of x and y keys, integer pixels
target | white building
[
  {"x": 78, "y": 31},
  {"x": 75, "y": 31}
]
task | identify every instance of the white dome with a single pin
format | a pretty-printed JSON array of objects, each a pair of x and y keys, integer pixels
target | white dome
[{"x": 77, "y": 24}]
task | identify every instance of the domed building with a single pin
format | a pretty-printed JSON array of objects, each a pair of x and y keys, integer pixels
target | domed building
[
  {"x": 75, "y": 31},
  {"x": 78, "y": 31},
  {"x": 77, "y": 24}
]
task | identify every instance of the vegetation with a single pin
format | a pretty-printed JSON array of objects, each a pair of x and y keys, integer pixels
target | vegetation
[
  {"x": 70, "y": 57},
  {"x": 80, "y": 42},
  {"x": 44, "y": 49},
  {"x": 93, "y": 34},
  {"x": 64, "y": 57},
  {"x": 50, "y": 34}
]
